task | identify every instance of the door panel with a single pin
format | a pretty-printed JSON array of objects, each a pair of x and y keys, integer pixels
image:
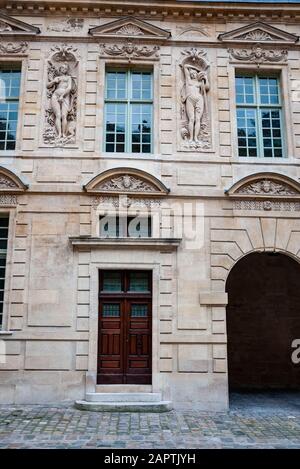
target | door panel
[{"x": 125, "y": 322}]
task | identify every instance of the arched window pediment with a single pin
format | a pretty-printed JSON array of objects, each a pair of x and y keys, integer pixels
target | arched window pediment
[
  {"x": 9, "y": 182},
  {"x": 265, "y": 185},
  {"x": 126, "y": 181}
]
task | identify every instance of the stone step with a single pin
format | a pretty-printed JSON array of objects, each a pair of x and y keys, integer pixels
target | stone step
[
  {"x": 160, "y": 406},
  {"x": 123, "y": 397},
  {"x": 120, "y": 388}
]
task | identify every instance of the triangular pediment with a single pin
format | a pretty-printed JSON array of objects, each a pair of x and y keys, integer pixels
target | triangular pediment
[
  {"x": 11, "y": 27},
  {"x": 9, "y": 182},
  {"x": 126, "y": 181},
  {"x": 265, "y": 185},
  {"x": 258, "y": 32},
  {"x": 129, "y": 27}
]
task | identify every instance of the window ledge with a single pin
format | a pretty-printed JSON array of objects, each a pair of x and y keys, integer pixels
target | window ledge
[
  {"x": 6, "y": 333},
  {"x": 150, "y": 243}
]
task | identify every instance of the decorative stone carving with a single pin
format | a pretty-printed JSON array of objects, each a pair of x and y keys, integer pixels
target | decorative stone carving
[
  {"x": 129, "y": 50},
  {"x": 126, "y": 183},
  {"x": 8, "y": 199},
  {"x": 61, "y": 109},
  {"x": 257, "y": 35},
  {"x": 195, "y": 125},
  {"x": 258, "y": 55},
  {"x": 256, "y": 32},
  {"x": 67, "y": 25},
  {"x": 130, "y": 30},
  {"x": 129, "y": 27},
  {"x": 4, "y": 27},
  {"x": 192, "y": 32},
  {"x": 267, "y": 205},
  {"x": 267, "y": 187},
  {"x": 125, "y": 202},
  {"x": 13, "y": 47},
  {"x": 6, "y": 183}
]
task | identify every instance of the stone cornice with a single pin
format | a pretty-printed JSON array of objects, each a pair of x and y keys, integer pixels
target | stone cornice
[{"x": 155, "y": 9}]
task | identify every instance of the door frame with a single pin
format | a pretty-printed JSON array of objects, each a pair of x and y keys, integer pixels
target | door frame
[
  {"x": 91, "y": 374},
  {"x": 124, "y": 297}
]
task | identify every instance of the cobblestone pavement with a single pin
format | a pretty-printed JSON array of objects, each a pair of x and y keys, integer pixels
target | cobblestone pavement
[{"x": 254, "y": 421}]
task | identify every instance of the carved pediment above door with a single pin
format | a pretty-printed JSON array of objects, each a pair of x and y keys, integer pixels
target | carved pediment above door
[
  {"x": 12, "y": 27},
  {"x": 129, "y": 28},
  {"x": 126, "y": 181},
  {"x": 258, "y": 32}
]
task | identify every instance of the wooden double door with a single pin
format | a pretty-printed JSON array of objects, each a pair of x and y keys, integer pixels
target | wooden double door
[{"x": 125, "y": 327}]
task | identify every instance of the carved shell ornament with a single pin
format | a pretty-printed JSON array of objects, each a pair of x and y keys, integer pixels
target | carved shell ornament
[{"x": 130, "y": 30}]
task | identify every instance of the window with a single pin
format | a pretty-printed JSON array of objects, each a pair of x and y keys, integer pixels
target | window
[
  {"x": 259, "y": 119},
  {"x": 123, "y": 227},
  {"x": 9, "y": 103},
  {"x": 4, "y": 218},
  {"x": 128, "y": 111}
]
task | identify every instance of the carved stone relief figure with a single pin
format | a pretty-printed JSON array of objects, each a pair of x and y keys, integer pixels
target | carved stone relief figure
[
  {"x": 67, "y": 25},
  {"x": 258, "y": 55},
  {"x": 61, "y": 110},
  {"x": 195, "y": 130},
  {"x": 126, "y": 183},
  {"x": 267, "y": 187}
]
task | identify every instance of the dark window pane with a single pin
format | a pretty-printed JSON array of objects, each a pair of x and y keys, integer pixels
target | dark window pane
[
  {"x": 139, "y": 310},
  {"x": 112, "y": 281},
  {"x": 139, "y": 281},
  {"x": 111, "y": 310}
]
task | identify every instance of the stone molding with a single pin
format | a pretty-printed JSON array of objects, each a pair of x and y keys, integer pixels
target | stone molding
[{"x": 12, "y": 27}]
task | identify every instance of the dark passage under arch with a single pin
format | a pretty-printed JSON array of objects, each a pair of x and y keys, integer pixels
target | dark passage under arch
[{"x": 263, "y": 319}]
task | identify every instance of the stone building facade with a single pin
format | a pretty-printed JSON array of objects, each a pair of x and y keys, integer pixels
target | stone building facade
[{"x": 183, "y": 113}]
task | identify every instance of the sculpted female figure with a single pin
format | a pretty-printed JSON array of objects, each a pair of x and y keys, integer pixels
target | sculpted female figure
[
  {"x": 194, "y": 97},
  {"x": 61, "y": 101}
]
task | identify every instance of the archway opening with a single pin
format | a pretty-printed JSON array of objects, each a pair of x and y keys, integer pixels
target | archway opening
[{"x": 263, "y": 320}]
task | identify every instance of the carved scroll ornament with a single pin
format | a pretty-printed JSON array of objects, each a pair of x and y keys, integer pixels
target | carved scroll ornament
[
  {"x": 129, "y": 50},
  {"x": 13, "y": 47},
  {"x": 195, "y": 121},
  {"x": 258, "y": 55},
  {"x": 126, "y": 183},
  {"x": 61, "y": 109}
]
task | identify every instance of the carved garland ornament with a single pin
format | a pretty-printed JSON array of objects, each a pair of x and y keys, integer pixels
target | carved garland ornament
[
  {"x": 61, "y": 108},
  {"x": 126, "y": 183},
  {"x": 195, "y": 120},
  {"x": 129, "y": 50},
  {"x": 258, "y": 55}
]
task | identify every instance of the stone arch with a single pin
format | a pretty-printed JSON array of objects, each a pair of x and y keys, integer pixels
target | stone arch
[
  {"x": 234, "y": 238},
  {"x": 10, "y": 182},
  {"x": 126, "y": 181},
  {"x": 262, "y": 317}
]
